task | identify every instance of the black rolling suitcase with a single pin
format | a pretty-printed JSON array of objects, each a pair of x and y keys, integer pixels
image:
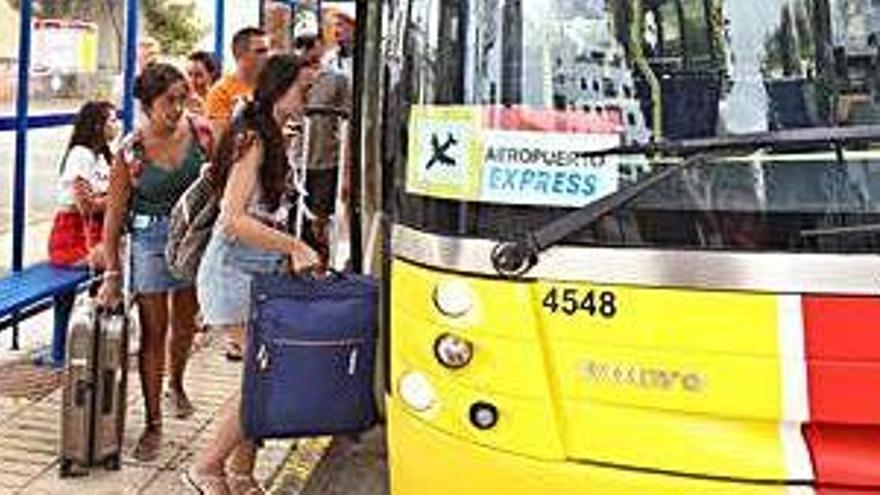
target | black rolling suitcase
[{"x": 94, "y": 396}]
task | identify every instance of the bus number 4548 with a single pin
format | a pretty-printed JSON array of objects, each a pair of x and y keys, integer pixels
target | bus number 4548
[{"x": 573, "y": 301}]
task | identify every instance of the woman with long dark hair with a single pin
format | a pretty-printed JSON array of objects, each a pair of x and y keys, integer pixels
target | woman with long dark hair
[
  {"x": 251, "y": 169},
  {"x": 76, "y": 237},
  {"x": 155, "y": 166}
]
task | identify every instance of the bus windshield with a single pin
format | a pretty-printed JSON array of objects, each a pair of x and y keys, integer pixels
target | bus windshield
[{"x": 499, "y": 99}]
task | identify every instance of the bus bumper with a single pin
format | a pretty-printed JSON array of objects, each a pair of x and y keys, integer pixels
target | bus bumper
[{"x": 426, "y": 461}]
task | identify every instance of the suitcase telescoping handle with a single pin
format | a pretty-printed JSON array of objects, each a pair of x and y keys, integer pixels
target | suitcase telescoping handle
[{"x": 303, "y": 213}]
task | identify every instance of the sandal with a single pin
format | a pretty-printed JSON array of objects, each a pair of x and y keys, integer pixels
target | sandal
[
  {"x": 233, "y": 352},
  {"x": 148, "y": 445},
  {"x": 204, "y": 484},
  {"x": 244, "y": 484},
  {"x": 179, "y": 404}
]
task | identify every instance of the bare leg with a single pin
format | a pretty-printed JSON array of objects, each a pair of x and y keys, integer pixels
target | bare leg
[
  {"x": 184, "y": 308},
  {"x": 212, "y": 460},
  {"x": 153, "y": 309},
  {"x": 244, "y": 457},
  {"x": 230, "y": 447}
]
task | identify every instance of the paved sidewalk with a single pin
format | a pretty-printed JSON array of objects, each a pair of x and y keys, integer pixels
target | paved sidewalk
[
  {"x": 29, "y": 427},
  {"x": 344, "y": 469}
]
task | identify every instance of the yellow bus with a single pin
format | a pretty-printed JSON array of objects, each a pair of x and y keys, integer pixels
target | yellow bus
[{"x": 634, "y": 246}]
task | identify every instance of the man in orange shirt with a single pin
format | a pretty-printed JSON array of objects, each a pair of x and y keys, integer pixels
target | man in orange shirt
[{"x": 250, "y": 47}]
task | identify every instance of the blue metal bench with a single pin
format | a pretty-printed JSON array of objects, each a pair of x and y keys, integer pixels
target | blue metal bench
[{"x": 25, "y": 293}]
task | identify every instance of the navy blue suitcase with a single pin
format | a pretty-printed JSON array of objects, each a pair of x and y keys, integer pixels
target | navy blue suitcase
[{"x": 311, "y": 356}]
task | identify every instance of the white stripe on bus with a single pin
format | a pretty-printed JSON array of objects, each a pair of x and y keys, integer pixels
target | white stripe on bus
[{"x": 795, "y": 400}]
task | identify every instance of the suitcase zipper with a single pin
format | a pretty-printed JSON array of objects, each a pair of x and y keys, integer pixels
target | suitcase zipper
[
  {"x": 263, "y": 360},
  {"x": 317, "y": 343}
]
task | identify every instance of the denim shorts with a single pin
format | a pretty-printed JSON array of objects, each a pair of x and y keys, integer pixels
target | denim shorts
[
  {"x": 149, "y": 270},
  {"x": 224, "y": 280}
]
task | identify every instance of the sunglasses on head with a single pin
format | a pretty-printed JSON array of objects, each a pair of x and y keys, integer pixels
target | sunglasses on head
[{"x": 305, "y": 43}]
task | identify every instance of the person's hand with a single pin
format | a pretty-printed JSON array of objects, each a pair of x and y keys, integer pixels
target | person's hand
[
  {"x": 82, "y": 192},
  {"x": 110, "y": 293},
  {"x": 303, "y": 259}
]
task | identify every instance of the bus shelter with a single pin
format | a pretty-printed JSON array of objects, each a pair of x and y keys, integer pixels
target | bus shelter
[{"x": 50, "y": 58}]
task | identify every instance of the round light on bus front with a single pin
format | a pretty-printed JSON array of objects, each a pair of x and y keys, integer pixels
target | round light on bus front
[
  {"x": 484, "y": 416},
  {"x": 416, "y": 391},
  {"x": 453, "y": 352},
  {"x": 453, "y": 298}
]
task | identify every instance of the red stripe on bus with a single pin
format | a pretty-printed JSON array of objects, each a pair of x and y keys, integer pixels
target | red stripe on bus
[
  {"x": 842, "y": 347},
  {"x": 844, "y": 491},
  {"x": 844, "y": 392},
  {"x": 845, "y": 456},
  {"x": 842, "y": 328}
]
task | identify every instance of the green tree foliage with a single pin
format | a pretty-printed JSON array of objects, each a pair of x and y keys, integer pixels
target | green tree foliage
[
  {"x": 173, "y": 23},
  {"x": 793, "y": 41},
  {"x": 787, "y": 43}
]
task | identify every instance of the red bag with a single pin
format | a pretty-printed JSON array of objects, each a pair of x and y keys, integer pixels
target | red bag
[{"x": 69, "y": 241}]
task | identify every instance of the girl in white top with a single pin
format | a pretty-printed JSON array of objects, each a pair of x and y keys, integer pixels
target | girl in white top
[
  {"x": 85, "y": 177},
  {"x": 81, "y": 164}
]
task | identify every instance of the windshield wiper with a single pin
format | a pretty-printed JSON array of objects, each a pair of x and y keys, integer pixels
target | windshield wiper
[
  {"x": 867, "y": 228},
  {"x": 776, "y": 141},
  {"x": 516, "y": 258}
]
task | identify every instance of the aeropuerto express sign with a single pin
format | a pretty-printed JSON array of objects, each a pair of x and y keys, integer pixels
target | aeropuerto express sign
[{"x": 511, "y": 156}]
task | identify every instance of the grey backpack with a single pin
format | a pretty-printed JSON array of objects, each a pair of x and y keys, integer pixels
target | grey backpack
[{"x": 192, "y": 222}]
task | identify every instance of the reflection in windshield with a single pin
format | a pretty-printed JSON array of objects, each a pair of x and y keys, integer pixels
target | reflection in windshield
[
  {"x": 702, "y": 67},
  {"x": 667, "y": 70}
]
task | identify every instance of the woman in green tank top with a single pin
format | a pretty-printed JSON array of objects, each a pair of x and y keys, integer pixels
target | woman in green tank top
[{"x": 157, "y": 163}]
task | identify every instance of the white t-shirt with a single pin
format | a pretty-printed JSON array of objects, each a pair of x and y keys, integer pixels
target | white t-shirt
[{"x": 82, "y": 163}]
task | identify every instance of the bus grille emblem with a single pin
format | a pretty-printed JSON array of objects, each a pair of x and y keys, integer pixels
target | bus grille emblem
[{"x": 647, "y": 378}]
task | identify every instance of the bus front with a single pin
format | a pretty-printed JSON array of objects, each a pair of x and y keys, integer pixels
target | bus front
[{"x": 714, "y": 327}]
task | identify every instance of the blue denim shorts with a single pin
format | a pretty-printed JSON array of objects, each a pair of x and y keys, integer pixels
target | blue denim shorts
[
  {"x": 149, "y": 270},
  {"x": 224, "y": 280}
]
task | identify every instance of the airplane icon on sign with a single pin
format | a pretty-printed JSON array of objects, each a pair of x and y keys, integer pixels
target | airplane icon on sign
[{"x": 441, "y": 151}]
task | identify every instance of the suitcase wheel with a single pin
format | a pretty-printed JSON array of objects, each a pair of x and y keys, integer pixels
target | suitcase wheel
[
  {"x": 114, "y": 462},
  {"x": 65, "y": 469}
]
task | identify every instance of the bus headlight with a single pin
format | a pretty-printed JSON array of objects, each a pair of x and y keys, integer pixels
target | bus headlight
[
  {"x": 416, "y": 391},
  {"x": 453, "y": 298},
  {"x": 453, "y": 352}
]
